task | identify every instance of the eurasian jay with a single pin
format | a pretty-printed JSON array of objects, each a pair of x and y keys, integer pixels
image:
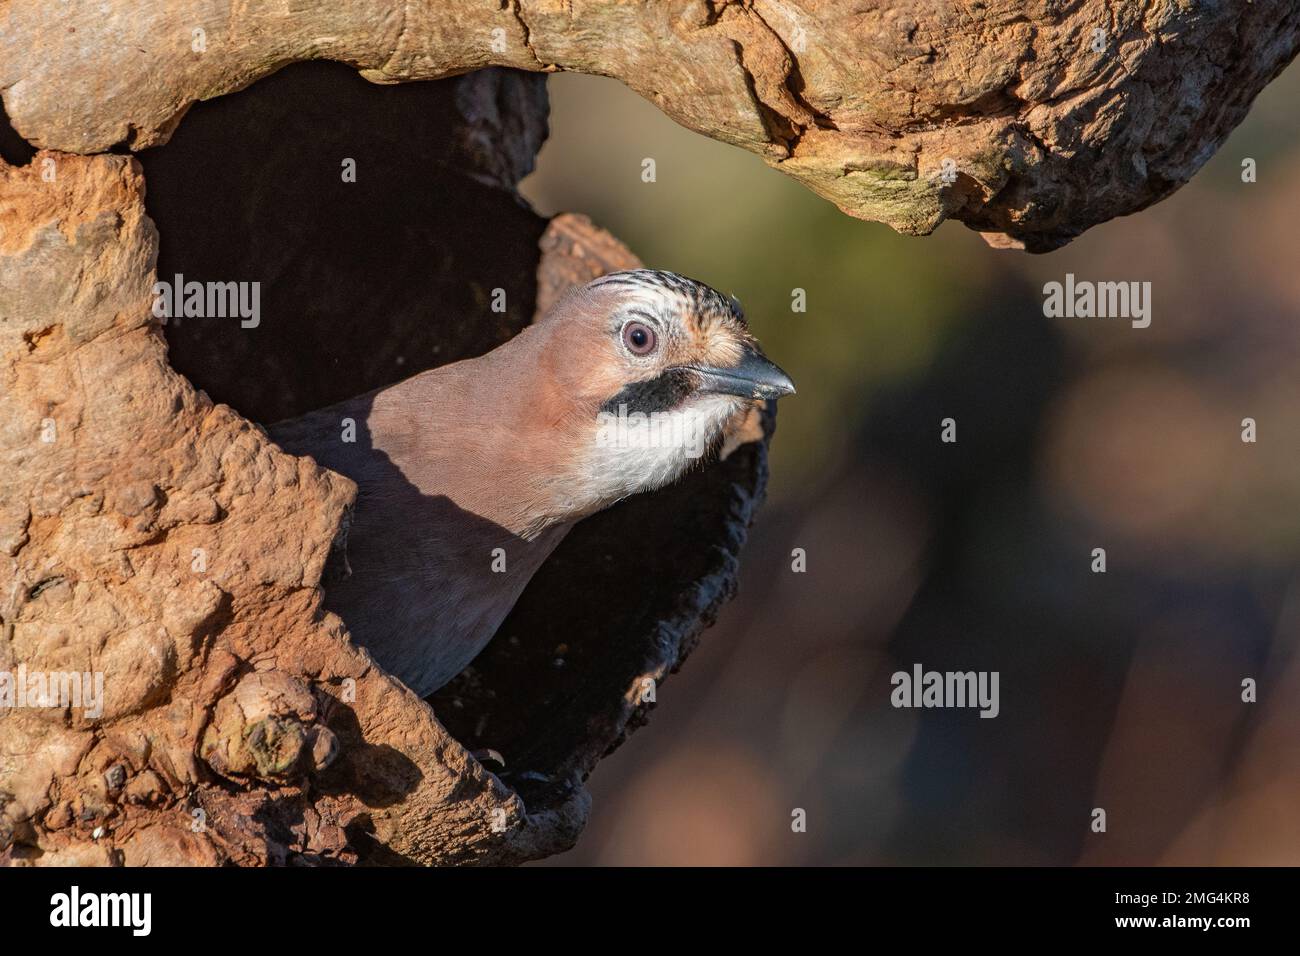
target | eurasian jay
[{"x": 469, "y": 475}]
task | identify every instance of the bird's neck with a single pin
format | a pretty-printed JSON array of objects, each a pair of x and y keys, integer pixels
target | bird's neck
[{"x": 495, "y": 443}]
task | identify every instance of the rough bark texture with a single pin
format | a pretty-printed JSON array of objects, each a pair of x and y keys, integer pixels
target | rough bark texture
[{"x": 1030, "y": 120}]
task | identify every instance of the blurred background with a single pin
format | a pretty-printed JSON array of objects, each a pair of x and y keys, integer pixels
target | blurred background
[{"x": 1119, "y": 690}]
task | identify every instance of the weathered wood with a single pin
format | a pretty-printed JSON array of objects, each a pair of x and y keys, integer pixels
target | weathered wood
[{"x": 1029, "y": 120}]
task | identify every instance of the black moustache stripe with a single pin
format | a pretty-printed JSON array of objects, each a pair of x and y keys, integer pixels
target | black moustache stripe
[{"x": 662, "y": 393}]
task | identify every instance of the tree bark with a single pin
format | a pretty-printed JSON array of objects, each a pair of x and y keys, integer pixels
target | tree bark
[{"x": 1029, "y": 120}]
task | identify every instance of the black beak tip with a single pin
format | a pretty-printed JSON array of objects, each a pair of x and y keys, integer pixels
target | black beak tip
[
  {"x": 770, "y": 380},
  {"x": 781, "y": 388},
  {"x": 773, "y": 391}
]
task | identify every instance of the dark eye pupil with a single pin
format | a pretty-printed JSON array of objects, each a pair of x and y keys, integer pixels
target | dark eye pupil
[{"x": 639, "y": 339}]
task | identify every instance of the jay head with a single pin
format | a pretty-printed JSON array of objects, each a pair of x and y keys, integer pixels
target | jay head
[
  {"x": 654, "y": 368},
  {"x": 470, "y": 474}
]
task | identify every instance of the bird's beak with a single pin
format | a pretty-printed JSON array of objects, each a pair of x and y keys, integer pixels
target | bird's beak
[{"x": 752, "y": 377}]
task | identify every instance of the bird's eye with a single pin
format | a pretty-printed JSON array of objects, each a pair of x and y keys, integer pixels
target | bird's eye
[{"x": 639, "y": 338}]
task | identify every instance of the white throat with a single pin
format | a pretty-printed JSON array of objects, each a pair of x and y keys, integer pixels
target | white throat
[{"x": 635, "y": 451}]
